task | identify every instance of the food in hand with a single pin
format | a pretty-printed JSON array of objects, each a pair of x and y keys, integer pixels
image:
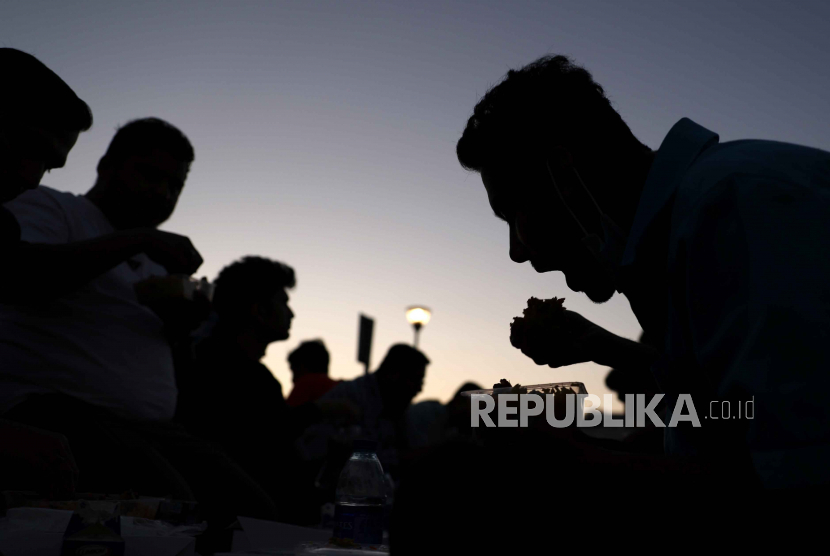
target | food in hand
[{"x": 539, "y": 318}]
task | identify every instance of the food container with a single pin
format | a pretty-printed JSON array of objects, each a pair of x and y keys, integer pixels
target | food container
[{"x": 577, "y": 387}]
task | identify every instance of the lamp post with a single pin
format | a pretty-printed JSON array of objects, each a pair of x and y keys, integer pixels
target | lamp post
[{"x": 417, "y": 316}]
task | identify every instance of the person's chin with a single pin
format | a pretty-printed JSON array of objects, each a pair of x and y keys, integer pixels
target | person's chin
[
  {"x": 599, "y": 293},
  {"x": 541, "y": 266}
]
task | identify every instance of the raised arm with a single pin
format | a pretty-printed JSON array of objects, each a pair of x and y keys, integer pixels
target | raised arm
[{"x": 37, "y": 271}]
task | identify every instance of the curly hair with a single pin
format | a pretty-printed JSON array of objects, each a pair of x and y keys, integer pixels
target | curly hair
[
  {"x": 248, "y": 281},
  {"x": 550, "y": 101}
]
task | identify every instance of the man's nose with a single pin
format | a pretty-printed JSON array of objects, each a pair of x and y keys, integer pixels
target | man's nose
[{"x": 518, "y": 252}]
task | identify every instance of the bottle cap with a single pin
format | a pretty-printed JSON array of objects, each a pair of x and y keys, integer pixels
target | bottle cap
[{"x": 363, "y": 445}]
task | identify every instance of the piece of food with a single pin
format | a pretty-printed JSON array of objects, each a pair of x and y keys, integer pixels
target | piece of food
[{"x": 539, "y": 318}]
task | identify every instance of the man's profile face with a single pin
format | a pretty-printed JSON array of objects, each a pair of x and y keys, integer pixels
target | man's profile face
[
  {"x": 542, "y": 232},
  {"x": 27, "y": 152},
  {"x": 408, "y": 383},
  {"x": 275, "y": 315},
  {"x": 148, "y": 186}
]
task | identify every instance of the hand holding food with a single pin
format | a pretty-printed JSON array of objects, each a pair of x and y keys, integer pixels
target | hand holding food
[
  {"x": 180, "y": 301},
  {"x": 551, "y": 335},
  {"x": 174, "y": 252}
]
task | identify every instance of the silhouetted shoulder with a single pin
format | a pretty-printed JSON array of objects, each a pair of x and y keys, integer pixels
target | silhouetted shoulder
[
  {"x": 765, "y": 160},
  {"x": 742, "y": 176}
]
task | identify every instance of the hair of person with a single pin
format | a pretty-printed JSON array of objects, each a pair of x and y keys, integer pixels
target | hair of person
[
  {"x": 466, "y": 387},
  {"x": 312, "y": 354},
  {"x": 32, "y": 94},
  {"x": 248, "y": 281},
  {"x": 548, "y": 103},
  {"x": 402, "y": 356},
  {"x": 143, "y": 135}
]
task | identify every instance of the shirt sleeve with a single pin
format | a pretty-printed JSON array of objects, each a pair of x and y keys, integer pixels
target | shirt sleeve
[
  {"x": 755, "y": 288},
  {"x": 41, "y": 217}
]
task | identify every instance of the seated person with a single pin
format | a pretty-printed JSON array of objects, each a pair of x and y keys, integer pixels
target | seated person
[
  {"x": 383, "y": 397},
  {"x": 309, "y": 365},
  {"x": 430, "y": 422},
  {"x": 229, "y": 397},
  {"x": 40, "y": 120},
  {"x": 94, "y": 363}
]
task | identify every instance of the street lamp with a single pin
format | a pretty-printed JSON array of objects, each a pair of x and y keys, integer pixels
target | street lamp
[{"x": 417, "y": 316}]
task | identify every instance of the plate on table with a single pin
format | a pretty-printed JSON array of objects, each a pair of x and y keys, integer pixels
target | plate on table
[{"x": 577, "y": 387}]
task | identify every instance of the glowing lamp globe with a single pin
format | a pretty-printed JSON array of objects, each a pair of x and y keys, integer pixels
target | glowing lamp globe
[{"x": 418, "y": 316}]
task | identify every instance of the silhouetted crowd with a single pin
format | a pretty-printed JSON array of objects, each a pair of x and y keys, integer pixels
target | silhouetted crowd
[{"x": 119, "y": 373}]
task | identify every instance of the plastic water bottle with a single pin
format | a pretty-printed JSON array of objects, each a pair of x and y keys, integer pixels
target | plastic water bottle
[{"x": 360, "y": 496}]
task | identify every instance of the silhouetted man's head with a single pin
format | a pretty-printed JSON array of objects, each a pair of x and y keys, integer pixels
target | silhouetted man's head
[
  {"x": 401, "y": 377},
  {"x": 40, "y": 120},
  {"x": 550, "y": 122},
  {"x": 310, "y": 357},
  {"x": 142, "y": 173},
  {"x": 250, "y": 295}
]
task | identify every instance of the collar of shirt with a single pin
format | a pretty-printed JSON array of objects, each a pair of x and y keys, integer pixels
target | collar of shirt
[{"x": 684, "y": 143}]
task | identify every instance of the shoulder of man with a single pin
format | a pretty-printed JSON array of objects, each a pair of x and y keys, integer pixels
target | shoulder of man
[
  {"x": 732, "y": 175},
  {"x": 41, "y": 214},
  {"x": 760, "y": 159}
]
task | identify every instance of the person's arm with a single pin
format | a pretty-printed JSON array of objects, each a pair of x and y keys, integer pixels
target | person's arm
[
  {"x": 622, "y": 353},
  {"x": 38, "y": 271},
  {"x": 751, "y": 300},
  {"x": 580, "y": 340}
]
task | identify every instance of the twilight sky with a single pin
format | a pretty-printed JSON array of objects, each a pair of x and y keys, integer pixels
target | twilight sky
[{"x": 325, "y": 138}]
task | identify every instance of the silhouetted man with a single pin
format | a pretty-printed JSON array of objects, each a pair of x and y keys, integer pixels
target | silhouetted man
[
  {"x": 99, "y": 344},
  {"x": 309, "y": 365},
  {"x": 229, "y": 397},
  {"x": 430, "y": 422},
  {"x": 40, "y": 120},
  {"x": 722, "y": 250},
  {"x": 384, "y": 397},
  {"x": 94, "y": 363}
]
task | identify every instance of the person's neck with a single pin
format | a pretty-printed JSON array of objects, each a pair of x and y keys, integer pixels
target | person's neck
[{"x": 250, "y": 344}]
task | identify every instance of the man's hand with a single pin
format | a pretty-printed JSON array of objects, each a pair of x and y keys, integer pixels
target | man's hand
[
  {"x": 578, "y": 340},
  {"x": 168, "y": 297},
  {"x": 172, "y": 251}
]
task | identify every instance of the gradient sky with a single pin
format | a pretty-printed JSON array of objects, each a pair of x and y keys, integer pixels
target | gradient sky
[{"x": 325, "y": 138}]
